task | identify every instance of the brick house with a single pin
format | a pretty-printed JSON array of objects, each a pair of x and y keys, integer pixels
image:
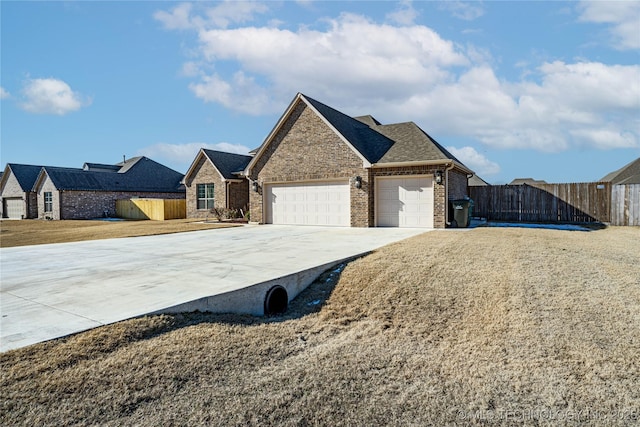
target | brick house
[
  {"x": 215, "y": 179},
  {"x": 91, "y": 192},
  {"x": 319, "y": 166},
  {"x": 16, "y": 189}
]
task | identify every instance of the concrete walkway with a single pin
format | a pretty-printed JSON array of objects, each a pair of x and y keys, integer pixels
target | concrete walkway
[{"x": 49, "y": 291}]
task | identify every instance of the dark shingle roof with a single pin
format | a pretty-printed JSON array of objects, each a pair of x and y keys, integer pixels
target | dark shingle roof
[
  {"x": 25, "y": 174},
  {"x": 371, "y": 144},
  {"x": 628, "y": 174},
  {"x": 412, "y": 144},
  {"x": 228, "y": 163},
  {"x": 144, "y": 175}
]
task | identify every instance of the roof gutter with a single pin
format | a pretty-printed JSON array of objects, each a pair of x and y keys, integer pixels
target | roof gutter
[{"x": 452, "y": 163}]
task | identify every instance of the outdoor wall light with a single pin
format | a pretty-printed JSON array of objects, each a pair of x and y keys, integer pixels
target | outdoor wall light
[
  {"x": 255, "y": 186},
  {"x": 438, "y": 177},
  {"x": 358, "y": 182}
]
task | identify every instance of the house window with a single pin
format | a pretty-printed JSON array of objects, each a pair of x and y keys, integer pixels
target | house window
[
  {"x": 48, "y": 201},
  {"x": 205, "y": 196}
]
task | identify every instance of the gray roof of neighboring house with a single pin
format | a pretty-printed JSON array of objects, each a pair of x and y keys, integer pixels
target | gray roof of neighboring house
[
  {"x": 228, "y": 164},
  {"x": 25, "y": 174},
  {"x": 142, "y": 175},
  {"x": 628, "y": 174},
  {"x": 528, "y": 181},
  {"x": 371, "y": 144},
  {"x": 476, "y": 181}
]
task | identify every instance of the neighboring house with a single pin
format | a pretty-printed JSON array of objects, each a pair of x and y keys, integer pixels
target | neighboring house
[
  {"x": 16, "y": 189},
  {"x": 628, "y": 174},
  {"x": 476, "y": 181},
  {"x": 528, "y": 181},
  {"x": 319, "y": 166},
  {"x": 215, "y": 179},
  {"x": 91, "y": 192}
]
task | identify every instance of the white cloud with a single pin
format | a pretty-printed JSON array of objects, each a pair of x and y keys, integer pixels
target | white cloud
[
  {"x": 477, "y": 162},
  {"x": 467, "y": 11},
  {"x": 405, "y": 14},
  {"x": 4, "y": 94},
  {"x": 352, "y": 56},
  {"x": 221, "y": 15},
  {"x": 51, "y": 96},
  {"x": 178, "y": 19},
  {"x": 623, "y": 17},
  {"x": 180, "y": 156},
  {"x": 401, "y": 73}
]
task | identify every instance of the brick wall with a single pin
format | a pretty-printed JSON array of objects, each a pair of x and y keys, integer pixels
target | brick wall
[
  {"x": 12, "y": 190},
  {"x": 239, "y": 195},
  {"x": 204, "y": 173},
  {"x": 94, "y": 204},
  {"x": 47, "y": 185},
  {"x": 306, "y": 149},
  {"x": 458, "y": 184}
]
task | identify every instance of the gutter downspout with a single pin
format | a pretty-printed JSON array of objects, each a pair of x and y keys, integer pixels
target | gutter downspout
[
  {"x": 446, "y": 194},
  {"x": 226, "y": 193}
]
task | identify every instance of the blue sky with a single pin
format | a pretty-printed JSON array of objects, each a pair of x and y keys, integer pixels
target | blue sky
[{"x": 549, "y": 90}]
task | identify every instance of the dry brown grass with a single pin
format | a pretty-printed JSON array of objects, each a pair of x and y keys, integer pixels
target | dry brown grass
[
  {"x": 493, "y": 326},
  {"x": 38, "y": 232}
]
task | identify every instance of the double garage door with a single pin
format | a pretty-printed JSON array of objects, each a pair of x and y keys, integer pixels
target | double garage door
[
  {"x": 399, "y": 202},
  {"x": 314, "y": 203}
]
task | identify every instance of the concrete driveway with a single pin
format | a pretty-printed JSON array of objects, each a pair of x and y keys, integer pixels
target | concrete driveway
[{"x": 49, "y": 291}]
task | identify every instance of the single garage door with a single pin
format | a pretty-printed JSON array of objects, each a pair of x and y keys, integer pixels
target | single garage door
[
  {"x": 404, "y": 202},
  {"x": 14, "y": 208},
  {"x": 314, "y": 203}
]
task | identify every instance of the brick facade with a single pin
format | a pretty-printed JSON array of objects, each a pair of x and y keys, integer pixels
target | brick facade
[
  {"x": 306, "y": 149},
  {"x": 12, "y": 190},
  {"x": 206, "y": 173},
  {"x": 88, "y": 204}
]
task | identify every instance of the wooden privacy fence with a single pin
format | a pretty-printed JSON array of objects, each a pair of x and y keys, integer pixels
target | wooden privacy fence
[
  {"x": 625, "y": 204},
  {"x": 576, "y": 202},
  {"x": 155, "y": 209}
]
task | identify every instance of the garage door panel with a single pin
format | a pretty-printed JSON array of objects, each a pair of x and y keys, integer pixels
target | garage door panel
[
  {"x": 309, "y": 203},
  {"x": 14, "y": 208},
  {"x": 404, "y": 202}
]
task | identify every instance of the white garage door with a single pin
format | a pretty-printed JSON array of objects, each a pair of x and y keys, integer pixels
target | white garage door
[
  {"x": 14, "y": 208},
  {"x": 404, "y": 202},
  {"x": 317, "y": 203}
]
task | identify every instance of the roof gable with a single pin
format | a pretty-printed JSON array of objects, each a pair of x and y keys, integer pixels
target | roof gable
[
  {"x": 26, "y": 175},
  {"x": 228, "y": 164},
  {"x": 369, "y": 144}
]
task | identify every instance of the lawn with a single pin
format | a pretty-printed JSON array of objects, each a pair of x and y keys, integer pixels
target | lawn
[
  {"x": 38, "y": 232},
  {"x": 499, "y": 326}
]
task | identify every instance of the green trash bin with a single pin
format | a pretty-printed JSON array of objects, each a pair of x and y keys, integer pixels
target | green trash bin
[{"x": 462, "y": 212}]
